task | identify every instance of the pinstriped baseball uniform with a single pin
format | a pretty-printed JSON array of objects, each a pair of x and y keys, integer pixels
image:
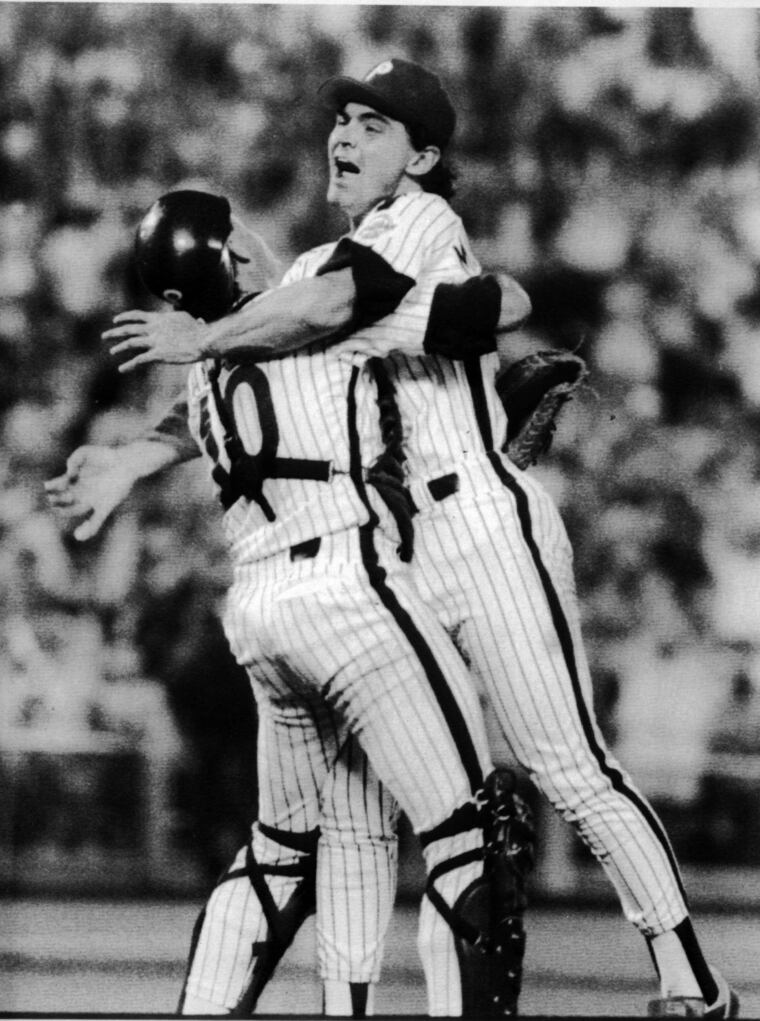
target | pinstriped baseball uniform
[
  {"x": 497, "y": 566},
  {"x": 290, "y": 408},
  {"x": 493, "y": 558},
  {"x": 339, "y": 642}
]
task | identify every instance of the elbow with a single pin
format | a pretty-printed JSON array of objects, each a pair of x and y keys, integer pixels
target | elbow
[
  {"x": 516, "y": 306},
  {"x": 523, "y": 305},
  {"x": 327, "y": 323},
  {"x": 333, "y": 316}
]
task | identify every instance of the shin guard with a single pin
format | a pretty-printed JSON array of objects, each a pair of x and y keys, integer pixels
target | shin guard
[{"x": 487, "y": 917}]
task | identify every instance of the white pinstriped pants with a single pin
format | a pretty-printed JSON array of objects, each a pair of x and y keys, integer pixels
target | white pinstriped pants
[
  {"x": 495, "y": 563},
  {"x": 356, "y": 880},
  {"x": 335, "y": 646}
]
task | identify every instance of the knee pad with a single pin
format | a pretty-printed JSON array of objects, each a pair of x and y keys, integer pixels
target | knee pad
[{"x": 487, "y": 918}]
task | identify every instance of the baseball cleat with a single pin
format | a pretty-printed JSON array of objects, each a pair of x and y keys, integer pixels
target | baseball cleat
[{"x": 725, "y": 1006}]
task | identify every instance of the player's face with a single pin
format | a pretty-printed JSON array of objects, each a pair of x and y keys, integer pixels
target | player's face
[{"x": 370, "y": 156}]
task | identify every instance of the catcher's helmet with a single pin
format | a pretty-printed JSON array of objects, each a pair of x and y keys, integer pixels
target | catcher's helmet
[{"x": 182, "y": 255}]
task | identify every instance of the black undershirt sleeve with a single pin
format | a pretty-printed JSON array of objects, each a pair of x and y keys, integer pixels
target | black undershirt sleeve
[
  {"x": 379, "y": 288},
  {"x": 463, "y": 318},
  {"x": 174, "y": 431}
]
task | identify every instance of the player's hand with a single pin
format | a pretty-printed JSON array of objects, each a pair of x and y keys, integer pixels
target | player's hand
[
  {"x": 173, "y": 337},
  {"x": 96, "y": 481}
]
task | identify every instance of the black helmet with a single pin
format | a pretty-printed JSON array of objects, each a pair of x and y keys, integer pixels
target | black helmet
[{"x": 181, "y": 246}]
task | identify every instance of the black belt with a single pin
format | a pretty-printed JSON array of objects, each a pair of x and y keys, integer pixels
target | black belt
[
  {"x": 305, "y": 550},
  {"x": 298, "y": 468},
  {"x": 444, "y": 486}
]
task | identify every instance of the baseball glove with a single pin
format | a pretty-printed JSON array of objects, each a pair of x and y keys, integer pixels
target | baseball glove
[{"x": 533, "y": 391}]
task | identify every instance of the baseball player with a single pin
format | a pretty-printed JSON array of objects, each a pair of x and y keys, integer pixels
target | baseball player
[
  {"x": 494, "y": 559},
  {"x": 356, "y": 910},
  {"x": 284, "y": 509}
]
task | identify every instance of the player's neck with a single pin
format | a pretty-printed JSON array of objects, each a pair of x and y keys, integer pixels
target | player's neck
[{"x": 406, "y": 186}]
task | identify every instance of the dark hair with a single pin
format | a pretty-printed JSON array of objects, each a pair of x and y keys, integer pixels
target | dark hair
[{"x": 440, "y": 180}]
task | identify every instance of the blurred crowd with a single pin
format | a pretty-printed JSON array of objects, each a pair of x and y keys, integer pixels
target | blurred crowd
[{"x": 607, "y": 158}]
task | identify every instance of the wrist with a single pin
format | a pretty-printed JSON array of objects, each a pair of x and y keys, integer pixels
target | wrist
[
  {"x": 206, "y": 342},
  {"x": 142, "y": 458}
]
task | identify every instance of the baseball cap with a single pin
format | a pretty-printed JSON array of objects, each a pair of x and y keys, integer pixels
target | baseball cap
[{"x": 401, "y": 89}]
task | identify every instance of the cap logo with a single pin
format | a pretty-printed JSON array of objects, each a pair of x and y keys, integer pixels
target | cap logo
[{"x": 385, "y": 68}]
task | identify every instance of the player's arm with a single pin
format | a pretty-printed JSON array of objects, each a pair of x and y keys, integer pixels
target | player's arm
[
  {"x": 362, "y": 282},
  {"x": 457, "y": 320},
  {"x": 417, "y": 261},
  {"x": 173, "y": 432},
  {"x": 516, "y": 306},
  {"x": 99, "y": 478},
  {"x": 276, "y": 323}
]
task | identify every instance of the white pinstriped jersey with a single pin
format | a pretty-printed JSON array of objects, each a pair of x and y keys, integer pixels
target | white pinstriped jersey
[
  {"x": 296, "y": 407},
  {"x": 439, "y": 411},
  {"x": 418, "y": 235},
  {"x": 434, "y": 392}
]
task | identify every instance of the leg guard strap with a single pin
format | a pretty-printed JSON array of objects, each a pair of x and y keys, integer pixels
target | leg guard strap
[
  {"x": 466, "y": 817},
  {"x": 283, "y": 923}
]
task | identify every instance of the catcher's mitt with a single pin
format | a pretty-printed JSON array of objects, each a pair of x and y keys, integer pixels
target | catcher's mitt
[{"x": 533, "y": 391}]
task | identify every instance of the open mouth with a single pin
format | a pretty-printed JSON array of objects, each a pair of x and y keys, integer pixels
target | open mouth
[{"x": 345, "y": 167}]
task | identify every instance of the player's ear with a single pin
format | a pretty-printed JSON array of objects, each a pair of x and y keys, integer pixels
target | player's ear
[
  {"x": 172, "y": 295},
  {"x": 423, "y": 161}
]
